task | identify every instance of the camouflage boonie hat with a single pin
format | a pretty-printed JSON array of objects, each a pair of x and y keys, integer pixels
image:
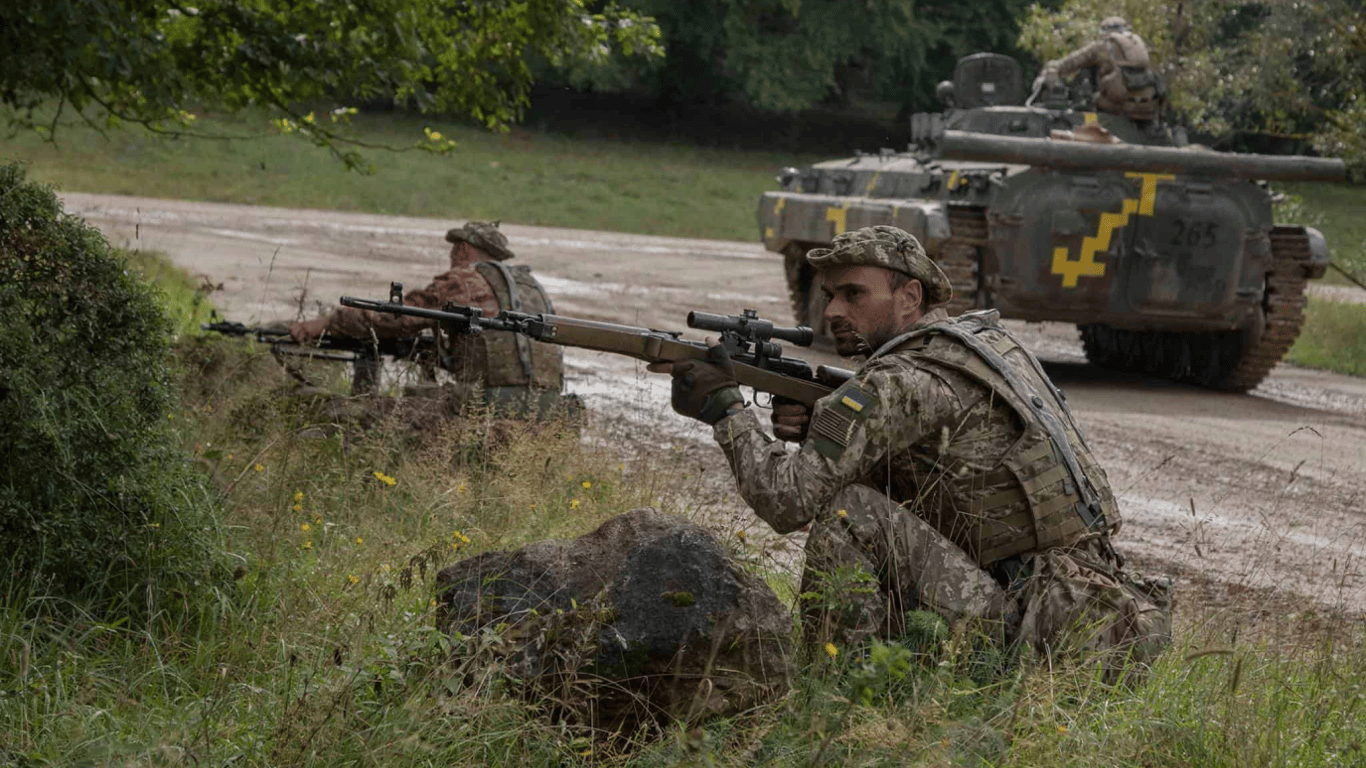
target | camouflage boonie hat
[
  {"x": 1114, "y": 24},
  {"x": 889, "y": 248},
  {"x": 483, "y": 235}
]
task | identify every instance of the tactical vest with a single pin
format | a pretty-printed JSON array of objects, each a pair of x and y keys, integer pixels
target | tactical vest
[
  {"x": 504, "y": 359},
  {"x": 1054, "y": 491},
  {"x": 1130, "y": 88}
]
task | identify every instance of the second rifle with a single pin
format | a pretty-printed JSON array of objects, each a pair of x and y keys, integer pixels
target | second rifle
[{"x": 759, "y": 361}]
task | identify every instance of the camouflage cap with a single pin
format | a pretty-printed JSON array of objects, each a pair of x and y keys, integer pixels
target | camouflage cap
[
  {"x": 483, "y": 235},
  {"x": 889, "y": 248}
]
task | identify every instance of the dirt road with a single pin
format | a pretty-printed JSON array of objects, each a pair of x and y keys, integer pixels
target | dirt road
[{"x": 1251, "y": 500}]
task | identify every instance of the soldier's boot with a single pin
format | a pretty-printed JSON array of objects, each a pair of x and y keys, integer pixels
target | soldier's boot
[
  {"x": 914, "y": 566},
  {"x": 1080, "y": 605}
]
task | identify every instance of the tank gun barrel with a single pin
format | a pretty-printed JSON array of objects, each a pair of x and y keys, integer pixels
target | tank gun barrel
[{"x": 1076, "y": 155}]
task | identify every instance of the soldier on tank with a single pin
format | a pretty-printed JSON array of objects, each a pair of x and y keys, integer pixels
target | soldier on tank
[
  {"x": 1121, "y": 73},
  {"x": 949, "y": 471},
  {"x": 508, "y": 369}
]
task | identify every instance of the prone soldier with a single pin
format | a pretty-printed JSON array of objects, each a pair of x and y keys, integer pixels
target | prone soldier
[
  {"x": 948, "y": 471},
  {"x": 507, "y": 369}
]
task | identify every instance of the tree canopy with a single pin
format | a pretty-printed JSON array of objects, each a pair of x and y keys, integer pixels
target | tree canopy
[
  {"x": 786, "y": 55},
  {"x": 1291, "y": 70},
  {"x": 154, "y": 62}
]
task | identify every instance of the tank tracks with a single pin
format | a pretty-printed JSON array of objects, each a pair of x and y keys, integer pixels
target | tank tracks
[
  {"x": 803, "y": 292},
  {"x": 1235, "y": 361},
  {"x": 959, "y": 258}
]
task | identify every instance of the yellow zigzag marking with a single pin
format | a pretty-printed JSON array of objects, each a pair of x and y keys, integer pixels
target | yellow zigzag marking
[
  {"x": 872, "y": 184},
  {"x": 777, "y": 216},
  {"x": 838, "y": 217},
  {"x": 1086, "y": 265}
]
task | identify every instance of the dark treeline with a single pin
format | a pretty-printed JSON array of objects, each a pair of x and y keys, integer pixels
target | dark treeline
[{"x": 794, "y": 75}]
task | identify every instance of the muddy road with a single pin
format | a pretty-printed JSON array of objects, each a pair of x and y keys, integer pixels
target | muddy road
[{"x": 1255, "y": 502}]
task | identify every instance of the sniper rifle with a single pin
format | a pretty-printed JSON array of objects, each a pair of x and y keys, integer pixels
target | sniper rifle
[{"x": 759, "y": 361}]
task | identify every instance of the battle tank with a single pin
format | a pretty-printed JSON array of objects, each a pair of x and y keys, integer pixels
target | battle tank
[{"x": 1166, "y": 257}]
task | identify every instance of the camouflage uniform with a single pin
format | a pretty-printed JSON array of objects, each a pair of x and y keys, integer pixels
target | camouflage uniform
[
  {"x": 1124, "y": 80},
  {"x": 461, "y": 284},
  {"x": 942, "y": 477},
  {"x": 508, "y": 368}
]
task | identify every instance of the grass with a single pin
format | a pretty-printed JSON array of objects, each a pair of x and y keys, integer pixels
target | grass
[
  {"x": 183, "y": 298},
  {"x": 328, "y": 656},
  {"x": 1335, "y": 210},
  {"x": 1333, "y": 337},
  {"x": 524, "y": 176}
]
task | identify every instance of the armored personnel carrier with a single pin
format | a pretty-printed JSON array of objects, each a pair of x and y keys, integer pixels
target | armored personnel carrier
[{"x": 1167, "y": 258}]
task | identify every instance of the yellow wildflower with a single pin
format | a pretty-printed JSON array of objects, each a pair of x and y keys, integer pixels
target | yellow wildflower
[
  {"x": 587, "y": 484},
  {"x": 260, "y": 467},
  {"x": 842, "y": 512},
  {"x": 832, "y": 650},
  {"x": 740, "y": 535},
  {"x": 297, "y": 507},
  {"x": 1062, "y": 729},
  {"x": 308, "y": 545},
  {"x": 573, "y": 503},
  {"x": 230, "y": 457},
  {"x": 383, "y": 478},
  {"x": 353, "y": 579},
  {"x": 298, "y": 497},
  {"x": 359, "y": 540},
  {"x": 305, "y": 527},
  {"x": 460, "y": 488}
]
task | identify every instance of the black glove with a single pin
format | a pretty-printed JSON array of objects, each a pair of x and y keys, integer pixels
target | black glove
[
  {"x": 791, "y": 418},
  {"x": 706, "y": 390}
]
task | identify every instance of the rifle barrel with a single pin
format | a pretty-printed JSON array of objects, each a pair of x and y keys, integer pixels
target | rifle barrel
[{"x": 783, "y": 376}]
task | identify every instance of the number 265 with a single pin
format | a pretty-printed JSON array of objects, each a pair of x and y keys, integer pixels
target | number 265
[{"x": 1195, "y": 233}]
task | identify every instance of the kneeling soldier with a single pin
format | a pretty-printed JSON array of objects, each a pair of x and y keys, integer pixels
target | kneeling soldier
[{"x": 949, "y": 471}]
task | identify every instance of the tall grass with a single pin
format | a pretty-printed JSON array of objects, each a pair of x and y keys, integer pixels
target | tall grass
[
  {"x": 327, "y": 653},
  {"x": 1333, "y": 338}
]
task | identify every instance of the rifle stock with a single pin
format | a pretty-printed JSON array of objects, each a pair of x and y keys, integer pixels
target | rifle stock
[{"x": 759, "y": 363}]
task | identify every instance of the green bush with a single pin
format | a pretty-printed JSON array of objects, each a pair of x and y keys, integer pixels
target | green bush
[{"x": 97, "y": 501}]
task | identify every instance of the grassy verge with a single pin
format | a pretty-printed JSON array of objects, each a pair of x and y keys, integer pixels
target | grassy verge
[
  {"x": 1333, "y": 338},
  {"x": 327, "y": 654},
  {"x": 183, "y": 298},
  {"x": 524, "y": 177},
  {"x": 1333, "y": 209}
]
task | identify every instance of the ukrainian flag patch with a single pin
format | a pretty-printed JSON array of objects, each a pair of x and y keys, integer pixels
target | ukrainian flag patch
[{"x": 834, "y": 426}]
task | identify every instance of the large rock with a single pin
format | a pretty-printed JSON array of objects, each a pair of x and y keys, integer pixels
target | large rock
[{"x": 644, "y": 618}]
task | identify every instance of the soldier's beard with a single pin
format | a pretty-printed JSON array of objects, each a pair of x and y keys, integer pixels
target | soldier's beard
[{"x": 849, "y": 342}]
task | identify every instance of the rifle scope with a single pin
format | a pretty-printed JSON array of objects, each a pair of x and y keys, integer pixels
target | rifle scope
[{"x": 749, "y": 326}]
